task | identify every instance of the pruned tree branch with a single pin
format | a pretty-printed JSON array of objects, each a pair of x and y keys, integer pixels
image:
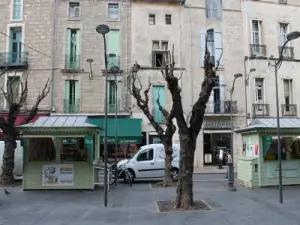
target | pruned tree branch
[
  {"x": 40, "y": 97},
  {"x": 162, "y": 109}
]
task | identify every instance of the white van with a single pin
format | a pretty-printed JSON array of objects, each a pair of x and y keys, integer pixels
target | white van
[
  {"x": 18, "y": 170},
  {"x": 149, "y": 162}
]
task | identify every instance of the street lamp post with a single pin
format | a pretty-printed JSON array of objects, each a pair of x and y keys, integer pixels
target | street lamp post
[
  {"x": 231, "y": 165},
  {"x": 275, "y": 67},
  {"x": 252, "y": 70},
  {"x": 114, "y": 70},
  {"x": 104, "y": 29}
]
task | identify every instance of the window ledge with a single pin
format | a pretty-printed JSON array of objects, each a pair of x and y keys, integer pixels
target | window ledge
[
  {"x": 219, "y": 69},
  {"x": 74, "y": 19},
  {"x": 113, "y": 20},
  {"x": 16, "y": 20}
]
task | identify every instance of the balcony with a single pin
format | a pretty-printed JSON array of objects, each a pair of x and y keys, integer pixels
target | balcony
[
  {"x": 258, "y": 50},
  {"x": 220, "y": 107},
  {"x": 72, "y": 62},
  {"x": 287, "y": 53},
  {"x": 71, "y": 105},
  {"x": 14, "y": 60},
  {"x": 113, "y": 106},
  {"x": 260, "y": 110},
  {"x": 113, "y": 60},
  {"x": 289, "y": 110}
]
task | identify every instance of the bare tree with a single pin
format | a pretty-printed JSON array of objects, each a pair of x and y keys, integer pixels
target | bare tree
[
  {"x": 10, "y": 134},
  {"x": 189, "y": 130},
  {"x": 164, "y": 135}
]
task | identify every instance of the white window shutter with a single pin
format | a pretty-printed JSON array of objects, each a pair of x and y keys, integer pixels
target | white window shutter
[
  {"x": 218, "y": 47},
  {"x": 202, "y": 46}
]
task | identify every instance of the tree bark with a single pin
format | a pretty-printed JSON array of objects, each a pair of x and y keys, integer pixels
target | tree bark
[
  {"x": 7, "y": 176},
  {"x": 168, "y": 163}
]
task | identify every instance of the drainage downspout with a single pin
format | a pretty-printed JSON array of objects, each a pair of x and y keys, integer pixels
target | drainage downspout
[{"x": 52, "y": 54}]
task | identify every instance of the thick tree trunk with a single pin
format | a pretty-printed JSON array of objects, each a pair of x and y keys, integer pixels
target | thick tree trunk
[
  {"x": 184, "y": 197},
  {"x": 7, "y": 176},
  {"x": 168, "y": 164}
]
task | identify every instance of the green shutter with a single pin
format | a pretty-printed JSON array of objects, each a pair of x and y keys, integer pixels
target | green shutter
[
  {"x": 68, "y": 49},
  {"x": 158, "y": 90},
  {"x": 67, "y": 96},
  {"x": 78, "y": 49},
  {"x": 113, "y": 42},
  {"x": 77, "y": 92}
]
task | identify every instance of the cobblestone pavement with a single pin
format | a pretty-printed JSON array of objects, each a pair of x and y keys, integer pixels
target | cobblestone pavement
[{"x": 136, "y": 206}]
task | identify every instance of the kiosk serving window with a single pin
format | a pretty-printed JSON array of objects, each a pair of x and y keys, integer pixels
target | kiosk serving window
[
  {"x": 41, "y": 149},
  {"x": 72, "y": 149},
  {"x": 290, "y": 148}
]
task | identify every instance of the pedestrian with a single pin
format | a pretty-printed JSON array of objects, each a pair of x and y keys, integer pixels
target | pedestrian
[{"x": 228, "y": 161}]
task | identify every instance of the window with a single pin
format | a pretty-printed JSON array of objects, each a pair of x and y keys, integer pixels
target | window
[
  {"x": 71, "y": 96},
  {"x": 287, "y": 51},
  {"x": 214, "y": 44},
  {"x": 17, "y": 9},
  {"x": 257, "y": 49},
  {"x": 113, "y": 48},
  {"x": 152, "y": 19},
  {"x": 73, "y": 49},
  {"x": 15, "y": 45},
  {"x": 158, "y": 92},
  {"x": 259, "y": 92},
  {"x": 41, "y": 149},
  {"x": 73, "y": 149},
  {"x": 168, "y": 19},
  {"x": 287, "y": 92},
  {"x": 114, "y": 95},
  {"x": 146, "y": 155},
  {"x": 13, "y": 88},
  {"x": 159, "y": 53},
  {"x": 74, "y": 9},
  {"x": 213, "y": 9},
  {"x": 113, "y": 11}
]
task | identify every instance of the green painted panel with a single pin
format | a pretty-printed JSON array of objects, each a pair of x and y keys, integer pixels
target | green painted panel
[
  {"x": 83, "y": 176},
  {"x": 78, "y": 48},
  {"x": 113, "y": 42},
  {"x": 129, "y": 130}
]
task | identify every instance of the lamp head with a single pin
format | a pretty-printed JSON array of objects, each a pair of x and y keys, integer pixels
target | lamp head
[
  {"x": 89, "y": 60},
  {"x": 102, "y": 29},
  {"x": 293, "y": 35},
  {"x": 252, "y": 70},
  {"x": 237, "y": 75}
]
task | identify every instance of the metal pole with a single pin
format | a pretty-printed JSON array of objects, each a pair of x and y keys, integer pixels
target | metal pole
[
  {"x": 105, "y": 128},
  {"x": 278, "y": 139},
  {"x": 116, "y": 129}
]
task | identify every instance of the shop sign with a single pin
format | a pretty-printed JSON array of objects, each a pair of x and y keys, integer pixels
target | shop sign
[
  {"x": 120, "y": 141},
  {"x": 58, "y": 175},
  {"x": 217, "y": 124}
]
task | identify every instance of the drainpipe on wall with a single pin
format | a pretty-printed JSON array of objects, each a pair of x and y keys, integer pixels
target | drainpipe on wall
[{"x": 52, "y": 54}]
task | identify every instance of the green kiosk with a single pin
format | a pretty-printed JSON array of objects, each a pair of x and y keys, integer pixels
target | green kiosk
[
  {"x": 258, "y": 159},
  {"x": 55, "y": 153}
]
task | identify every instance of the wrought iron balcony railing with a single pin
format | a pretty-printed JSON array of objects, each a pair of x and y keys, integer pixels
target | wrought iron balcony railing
[
  {"x": 14, "y": 59},
  {"x": 287, "y": 53},
  {"x": 260, "y": 110},
  {"x": 289, "y": 110},
  {"x": 72, "y": 62},
  {"x": 71, "y": 105},
  {"x": 113, "y": 60},
  {"x": 258, "y": 50},
  {"x": 221, "y": 107}
]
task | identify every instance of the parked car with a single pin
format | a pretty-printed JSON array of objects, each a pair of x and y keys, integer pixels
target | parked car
[
  {"x": 18, "y": 170},
  {"x": 149, "y": 162}
]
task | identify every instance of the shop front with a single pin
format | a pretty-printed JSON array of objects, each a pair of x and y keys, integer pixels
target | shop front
[
  {"x": 258, "y": 161},
  {"x": 129, "y": 136},
  {"x": 216, "y": 138},
  {"x": 55, "y": 155}
]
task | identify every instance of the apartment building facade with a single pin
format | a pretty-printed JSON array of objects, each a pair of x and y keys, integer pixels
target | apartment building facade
[{"x": 19, "y": 29}]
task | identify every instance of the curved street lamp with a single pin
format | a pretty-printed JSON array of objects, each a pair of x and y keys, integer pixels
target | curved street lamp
[
  {"x": 104, "y": 29},
  {"x": 230, "y": 165},
  {"x": 275, "y": 67}
]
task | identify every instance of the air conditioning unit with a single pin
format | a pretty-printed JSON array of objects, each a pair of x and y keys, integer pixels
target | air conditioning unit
[{"x": 282, "y": 1}]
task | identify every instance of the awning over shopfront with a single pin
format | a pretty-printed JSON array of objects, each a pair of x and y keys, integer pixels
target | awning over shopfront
[
  {"x": 129, "y": 131},
  {"x": 20, "y": 118}
]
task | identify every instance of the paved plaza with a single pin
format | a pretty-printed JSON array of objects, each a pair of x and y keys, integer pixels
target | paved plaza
[{"x": 136, "y": 206}]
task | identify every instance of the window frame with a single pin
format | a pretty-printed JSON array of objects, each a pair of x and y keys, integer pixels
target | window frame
[
  {"x": 7, "y": 76},
  {"x": 152, "y": 16},
  {"x": 168, "y": 19},
  {"x": 79, "y": 13},
  {"x": 108, "y": 11},
  {"x": 144, "y": 151},
  {"x": 12, "y": 10},
  {"x": 290, "y": 87},
  {"x": 210, "y": 11}
]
